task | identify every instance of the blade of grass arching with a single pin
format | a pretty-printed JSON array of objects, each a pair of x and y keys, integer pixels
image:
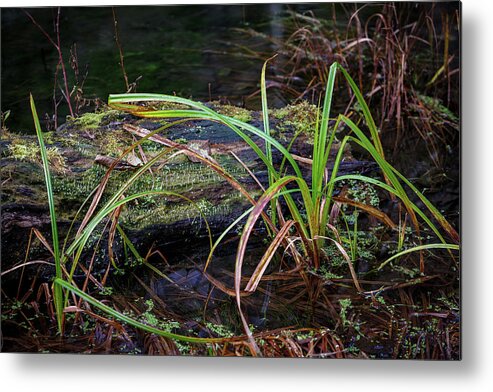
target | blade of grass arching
[
  {"x": 137, "y": 324},
  {"x": 416, "y": 249},
  {"x": 438, "y": 216},
  {"x": 391, "y": 190},
  {"x": 267, "y": 257},
  {"x": 366, "y": 111},
  {"x": 207, "y": 114},
  {"x": 58, "y": 294}
]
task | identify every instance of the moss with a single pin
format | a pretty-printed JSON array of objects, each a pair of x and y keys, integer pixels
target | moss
[
  {"x": 168, "y": 106},
  {"x": 236, "y": 112},
  {"x": 29, "y": 152},
  {"x": 193, "y": 180},
  {"x": 77, "y": 188},
  {"x": 166, "y": 212},
  {"x": 90, "y": 121},
  {"x": 115, "y": 142},
  {"x": 301, "y": 117}
]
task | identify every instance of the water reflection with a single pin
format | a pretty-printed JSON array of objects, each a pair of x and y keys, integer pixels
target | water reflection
[{"x": 168, "y": 49}]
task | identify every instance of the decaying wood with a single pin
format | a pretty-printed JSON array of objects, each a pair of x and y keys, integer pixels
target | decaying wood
[{"x": 24, "y": 203}]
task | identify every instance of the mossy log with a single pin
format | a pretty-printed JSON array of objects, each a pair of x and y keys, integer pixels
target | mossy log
[{"x": 80, "y": 152}]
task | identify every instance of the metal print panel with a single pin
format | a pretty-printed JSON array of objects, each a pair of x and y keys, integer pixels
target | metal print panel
[{"x": 266, "y": 180}]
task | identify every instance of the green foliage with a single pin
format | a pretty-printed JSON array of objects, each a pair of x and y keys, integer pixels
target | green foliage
[
  {"x": 346, "y": 306},
  {"x": 312, "y": 216}
]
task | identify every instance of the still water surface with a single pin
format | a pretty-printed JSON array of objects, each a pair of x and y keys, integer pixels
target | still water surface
[{"x": 192, "y": 51}]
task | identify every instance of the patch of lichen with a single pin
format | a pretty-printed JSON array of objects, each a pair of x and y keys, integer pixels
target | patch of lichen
[
  {"x": 235, "y": 112},
  {"x": 300, "y": 117}
]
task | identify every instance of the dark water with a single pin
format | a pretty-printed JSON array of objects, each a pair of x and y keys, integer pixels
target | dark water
[{"x": 187, "y": 50}]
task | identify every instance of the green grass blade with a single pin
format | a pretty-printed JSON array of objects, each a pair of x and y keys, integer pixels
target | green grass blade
[
  {"x": 366, "y": 111},
  {"x": 320, "y": 146},
  {"x": 58, "y": 295},
  {"x": 208, "y": 114},
  {"x": 271, "y": 172},
  {"x": 137, "y": 324},
  {"x": 416, "y": 249}
]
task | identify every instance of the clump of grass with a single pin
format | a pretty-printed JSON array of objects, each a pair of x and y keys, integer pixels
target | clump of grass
[
  {"x": 67, "y": 256},
  {"x": 308, "y": 218}
]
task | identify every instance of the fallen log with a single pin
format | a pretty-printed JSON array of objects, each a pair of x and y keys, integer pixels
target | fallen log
[{"x": 80, "y": 155}]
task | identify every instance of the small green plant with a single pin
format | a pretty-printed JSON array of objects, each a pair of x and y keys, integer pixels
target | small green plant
[
  {"x": 3, "y": 119},
  {"x": 346, "y": 305}
]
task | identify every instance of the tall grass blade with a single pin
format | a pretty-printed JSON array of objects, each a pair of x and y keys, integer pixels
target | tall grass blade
[
  {"x": 58, "y": 294},
  {"x": 268, "y": 151}
]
